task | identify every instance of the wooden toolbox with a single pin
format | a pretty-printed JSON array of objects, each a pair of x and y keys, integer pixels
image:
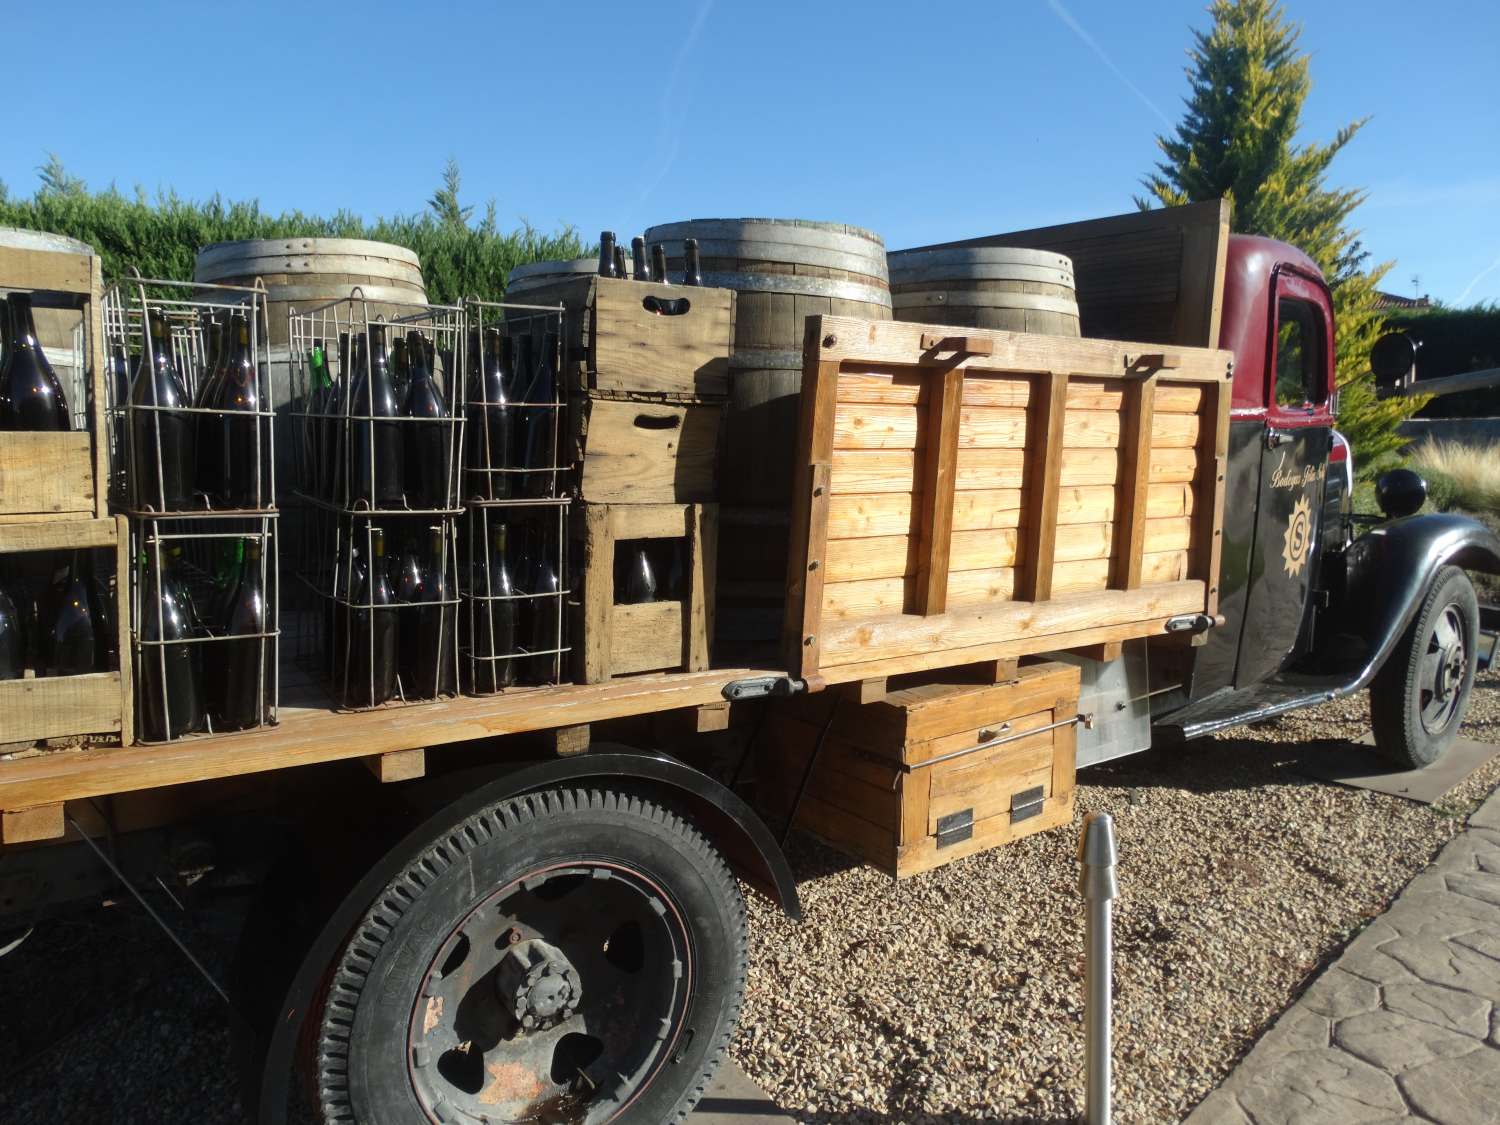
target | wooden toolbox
[
  {"x": 931, "y": 773},
  {"x": 989, "y": 494},
  {"x": 630, "y": 338},
  {"x": 671, "y": 634},
  {"x": 59, "y": 475},
  {"x": 95, "y": 703}
]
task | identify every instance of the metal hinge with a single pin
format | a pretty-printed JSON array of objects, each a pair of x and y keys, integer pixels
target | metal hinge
[
  {"x": 1027, "y": 803},
  {"x": 955, "y": 828}
]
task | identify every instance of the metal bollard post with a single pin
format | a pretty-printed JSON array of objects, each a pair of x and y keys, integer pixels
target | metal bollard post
[{"x": 1096, "y": 882}]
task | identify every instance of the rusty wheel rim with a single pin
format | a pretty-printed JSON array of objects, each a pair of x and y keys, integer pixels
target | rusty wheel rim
[{"x": 555, "y": 1000}]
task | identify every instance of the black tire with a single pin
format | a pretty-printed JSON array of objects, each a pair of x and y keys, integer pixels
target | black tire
[
  {"x": 1419, "y": 696},
  {"x": 486, "y": 871}
]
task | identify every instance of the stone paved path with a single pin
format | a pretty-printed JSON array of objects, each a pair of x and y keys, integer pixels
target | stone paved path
[{"x": 1405, "y": 1025}]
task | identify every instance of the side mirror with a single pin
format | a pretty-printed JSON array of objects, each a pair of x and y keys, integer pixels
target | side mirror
[
  {"x": 1393, "y": 359},
  {"x": 1400, "y": 492}
]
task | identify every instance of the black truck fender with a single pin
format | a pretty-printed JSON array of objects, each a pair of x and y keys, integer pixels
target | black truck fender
[
  {"x": 730, "y": 824},
  {"x": 1390, "y": 567}
]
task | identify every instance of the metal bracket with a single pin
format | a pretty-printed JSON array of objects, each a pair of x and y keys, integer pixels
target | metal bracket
[{"x": 761, "y": 687}]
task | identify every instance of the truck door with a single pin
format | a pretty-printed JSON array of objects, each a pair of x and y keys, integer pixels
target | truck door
[{"x": 1293, "y": 461}]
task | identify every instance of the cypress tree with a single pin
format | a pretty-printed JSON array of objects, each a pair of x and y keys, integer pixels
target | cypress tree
[{"x": 1247, "y": 86}]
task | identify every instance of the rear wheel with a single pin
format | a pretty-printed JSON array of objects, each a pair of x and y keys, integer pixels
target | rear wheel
[
  {"x": 568, "y": 956},
  {"x": 1419, "y": 696}
]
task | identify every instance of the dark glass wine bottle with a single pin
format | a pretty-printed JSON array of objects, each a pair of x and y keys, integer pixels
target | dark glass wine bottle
[
  {"x": 171, "y": 684},
  {"x": 163, "y": 435},
  {"x": 336, "y": 432},
  {"x": 247, "y": 660},
  {"x": 119, "y": 388},
  {"x": 372, "y": 631},
  {"x": 208, "y": 476},
  {"x": 692, "y": 265},
  {"x": 68, "y": 625},
  {"x": 429, "y": 437},
  {"x": 490, "y": 420},
  {"x": 545, "y": 612},
  {"x": 540, "y": 448},
  {"x": 495, "y": 618},
  {"x": 347, "y": 565},
  {"x": 638, "y": 259},
  {"x": 376, "y": 472},
  {"x": 247, "y": 466},
  {"x": 659, "y": 263},
  {"x": 401, "y": 366},
  {"x": 31, "y": 398},
  {"x": 427, "y": 654},
  {"x": 607, "y": 253},
  {"x": 12, "y": 640},
  {"x": 314, "y": 433},
  {"x": 620, "y": 270},
  {"x": 636, "y": 581}
]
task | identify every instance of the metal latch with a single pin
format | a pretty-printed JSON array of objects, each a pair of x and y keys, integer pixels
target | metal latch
[
  {"x": 1027, "y": 803},
  {"x": 955, "y": 828},
  {"x": 1191, "y": 623},
  {"x": 760, "y": 687}
]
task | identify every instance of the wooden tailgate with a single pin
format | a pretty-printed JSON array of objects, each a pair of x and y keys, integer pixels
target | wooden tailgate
[{"x": 961, "y": 498}]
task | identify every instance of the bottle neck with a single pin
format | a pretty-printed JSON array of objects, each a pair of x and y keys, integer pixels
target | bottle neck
[{"x": 22, "y": 327}]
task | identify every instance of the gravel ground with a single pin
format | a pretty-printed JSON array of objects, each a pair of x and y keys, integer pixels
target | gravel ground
[{"x": 955, "y": 997}]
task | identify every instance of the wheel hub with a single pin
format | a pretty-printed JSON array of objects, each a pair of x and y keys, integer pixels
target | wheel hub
[
  {"x": 1444, "y": 670},
  {"x": 538, "y": 985}
]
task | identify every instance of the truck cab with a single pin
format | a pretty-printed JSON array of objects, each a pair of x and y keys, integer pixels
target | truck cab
[{"x": 1311, "y": 610}]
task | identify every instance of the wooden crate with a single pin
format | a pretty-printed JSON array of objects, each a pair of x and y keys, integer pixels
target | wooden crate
[
  {"x": 635, "y": 452},
  {"x": 620, "y": 640},
  {"x": 931, "y": 773},
  {"x": 63, "y": 706},
  {"x": 995, "y": 494},
  {"x": 626, "y": 339},
  {"x": 59, "y": 475}
]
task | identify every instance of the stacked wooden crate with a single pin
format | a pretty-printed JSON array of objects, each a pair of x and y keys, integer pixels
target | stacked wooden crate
[
  {"x": 647, "y": 366},
  {"x": 949, "y": 766},
  {"x": 54, "y": 498}
]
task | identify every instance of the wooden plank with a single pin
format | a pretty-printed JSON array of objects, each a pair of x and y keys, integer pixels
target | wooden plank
[
  {"x": 646, "y": 637},
  {"x": 57, "y": 535},
  {"x": 649, "y": 521},
  {"x": 872, "y": 690},
  {"x": 99, "y": 394},
  {"x": 939, "y": 470},
  {"x": 636, "y": 349},
  {"x": 52, "y": 270},
  {"x": 809, "y": 526},
  {"x": 569, "y": 740},
  {"x": 1104, "y": 653},
  {"x": 25, "y": 826},
  {"x": 702, "y": 569},
  {"x": 58, "y": 706},
  {"x": 123, "y": 564},
  {"x": 862, "y": 342},
  {"x": 1135, "y": 612},
  {"x": 598, "y": 592},
  {"x": 1043, "y": 478},
  {"x": 1136, "y": 429},
  {"x": 1208, "y": 511},
  {"x": 398, "y": 765},
  {"x": 897, "y": 387},
  {"x": 46, "y": 473},
  {"x": 307, "y": 737},
  {"x": 1200, "y": 290}
]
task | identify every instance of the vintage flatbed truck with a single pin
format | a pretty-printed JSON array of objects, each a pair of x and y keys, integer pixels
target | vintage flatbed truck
[{"x": 514, "y": 930}]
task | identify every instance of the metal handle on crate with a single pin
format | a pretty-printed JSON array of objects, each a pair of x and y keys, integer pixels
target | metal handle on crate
[
  {"x": 658, "y": 422},
  {"x": 998, "y": 738},
  {"x": 666, "y": 306}
]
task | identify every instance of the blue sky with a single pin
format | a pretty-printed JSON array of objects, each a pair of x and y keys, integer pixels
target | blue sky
[{"x": 923, "y": 122}]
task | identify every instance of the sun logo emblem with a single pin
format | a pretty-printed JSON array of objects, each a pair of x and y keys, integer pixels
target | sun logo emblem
[{"x": 1298, "y": 537}]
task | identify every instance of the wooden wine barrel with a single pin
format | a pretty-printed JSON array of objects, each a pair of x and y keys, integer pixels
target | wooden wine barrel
[
  {"x": 303, "y": 273},
  {"x": 535, "y": 275},
  {"x": 999, "y": 287},
  {"x": 783, "y": 270},
  {"x": 59, "y": 331}
]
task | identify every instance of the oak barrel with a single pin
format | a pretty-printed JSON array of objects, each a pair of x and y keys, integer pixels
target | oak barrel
[
  {"x": 999, "y": 287},
  {"x": 536, "y": 275}
]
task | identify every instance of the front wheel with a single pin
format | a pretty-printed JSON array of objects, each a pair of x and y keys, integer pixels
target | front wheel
[
  {"x": 568, "y": 956},
  {"x": 1420, "y": 694}
]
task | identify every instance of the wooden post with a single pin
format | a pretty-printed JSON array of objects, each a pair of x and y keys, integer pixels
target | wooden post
[
  {"x": 567, "y": 741},
  {"x": 935, "y": 489},
  {"x": 1044, "y": 456},
  {"x": 872, "y": 690},
  {"x": 1208, "y": 500},
  {"x": 809, "y": 526},
  {"x": 598, "y": 591},
  {"x": 397, "y": 765},
  {"x": 1135, "y": 484}
]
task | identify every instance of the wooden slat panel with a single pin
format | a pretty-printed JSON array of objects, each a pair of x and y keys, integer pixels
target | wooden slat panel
[
  {"x": 630, "y": 459},
  {"x": 645, "y": 637},
  {"x": 896, "y": 386},
  {"x": 1136, "y": 426},
  {"x": 1043, "y": 478},
  {"x": 57, "y": 535},
  {"x": 46, "y": 473},
  {"x": 935, "y": 507},
  {"x": 55, "y": 706},
  {"x": 1208, "y": 511},
  {"x": 634, "y": 349},
  {"x": 870, "y": 471},
  {"x": 876, "y": 639}
]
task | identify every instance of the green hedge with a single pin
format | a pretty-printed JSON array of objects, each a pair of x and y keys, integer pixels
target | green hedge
[
  {"x": 160, "y": 236},
  {"x": 1454, "y": 341}
]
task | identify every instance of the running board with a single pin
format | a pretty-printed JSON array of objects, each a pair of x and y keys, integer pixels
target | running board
[{"x": 1230, "y": 708}]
